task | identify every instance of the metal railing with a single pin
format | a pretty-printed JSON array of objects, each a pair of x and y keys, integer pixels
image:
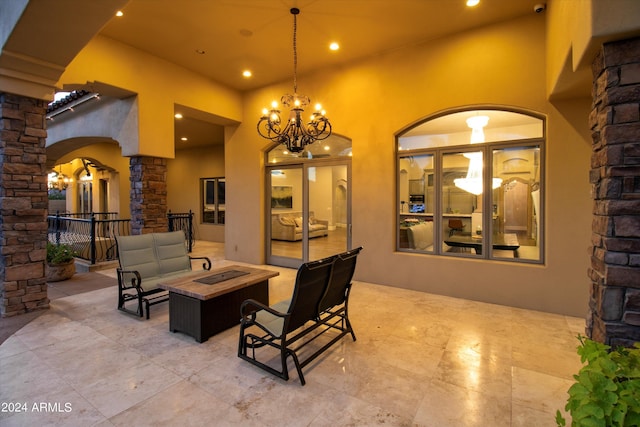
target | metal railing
[
  {"x": 90, "y": 238},
  {"x": 89, "y": 215},
  {"x": 183, "y": 221}
]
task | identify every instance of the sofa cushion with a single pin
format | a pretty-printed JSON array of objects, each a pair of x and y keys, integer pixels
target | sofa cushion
[
  {"x": 298, "y": 221},
  {"x": 315, "y": 227},
  {"x": 286, "y": 220},
  {"x": 136, "y": 253},
  {"x": 421, "y": 236},
  {"x": 172, "y": 252}
]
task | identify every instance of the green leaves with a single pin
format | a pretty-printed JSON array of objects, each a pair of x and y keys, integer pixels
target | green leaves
[
  {"x": 607, "y": 388},
  {"x": 59, "y": 254}
]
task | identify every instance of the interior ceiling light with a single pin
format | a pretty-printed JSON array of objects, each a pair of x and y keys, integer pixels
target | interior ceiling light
[
  {"x": 472, "y": 3},
  {"x": 334, "y": 46},
  {"x": 178, "y": 116},
  {"x": 246, "y": 73},
  {"x": 294, "y": 133},
  {"x": 472, "y": 183},
  {"x": 119, "y": 14}
]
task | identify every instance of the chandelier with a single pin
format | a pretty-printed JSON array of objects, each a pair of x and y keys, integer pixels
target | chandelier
[
  {"x": 472, "y": 183},
  {"x": 293, "y": 132}
]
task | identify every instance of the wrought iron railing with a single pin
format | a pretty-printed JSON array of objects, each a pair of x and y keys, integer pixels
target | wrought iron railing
[
  {"x": 89, "y": 215},
  {"x": 183, "y": 221},
  {"x": 92, "y": 236}
]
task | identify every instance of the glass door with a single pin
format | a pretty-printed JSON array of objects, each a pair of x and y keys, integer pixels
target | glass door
[
  {"x": 309, "y": 213},
  {"x": 328, "y": 210},
  {"x": 285, "y": 195}
]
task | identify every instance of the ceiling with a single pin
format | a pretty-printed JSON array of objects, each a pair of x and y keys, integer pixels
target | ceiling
[
  {"x": 258, "y": 34},
  {"x": 222, "y": 38}
]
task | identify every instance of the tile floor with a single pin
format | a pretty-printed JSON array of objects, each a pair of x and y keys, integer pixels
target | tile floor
[{"x": 420, "y": 359}]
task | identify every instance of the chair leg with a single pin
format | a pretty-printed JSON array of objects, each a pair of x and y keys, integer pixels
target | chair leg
[{"x": 298, "y": 367}]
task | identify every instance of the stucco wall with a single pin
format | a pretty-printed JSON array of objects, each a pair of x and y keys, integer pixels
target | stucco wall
[
  {"x": 371, "y": 101},
  {"x": 159, "y": 85},
  {"x": 183, "y": 185}
]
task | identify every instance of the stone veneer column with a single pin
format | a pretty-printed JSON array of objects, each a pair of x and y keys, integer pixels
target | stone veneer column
[
  {"x": 23, "y": 205},
  {"x": 148, "y": 176},
  {"x": 615, "y": 177}
]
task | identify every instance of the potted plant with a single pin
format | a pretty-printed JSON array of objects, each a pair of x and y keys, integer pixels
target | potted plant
[
  {"x": 607, "y": 388},
  {"x": 60, "y": 262}
]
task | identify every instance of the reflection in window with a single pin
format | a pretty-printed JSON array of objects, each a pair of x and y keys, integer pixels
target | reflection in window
[
  {"x": 443, "y": 176},
  {"x": 213, "y": 199}
]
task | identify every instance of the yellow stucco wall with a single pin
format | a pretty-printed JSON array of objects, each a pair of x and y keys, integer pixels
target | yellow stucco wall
[
  {"x": 183, "y": 184},
  {"x": 159, "y": 85},
  {"x": 369, "y": 102}
]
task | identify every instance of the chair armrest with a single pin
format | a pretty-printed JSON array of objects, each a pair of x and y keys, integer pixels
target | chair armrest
[
  {"x": 136, "y": 280},
  {"x": 205, "y": 265},
  {"x": 250, "y": 306}
]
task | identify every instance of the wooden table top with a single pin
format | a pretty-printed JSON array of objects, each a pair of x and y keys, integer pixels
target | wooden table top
[{"x": 187, "y": 285}]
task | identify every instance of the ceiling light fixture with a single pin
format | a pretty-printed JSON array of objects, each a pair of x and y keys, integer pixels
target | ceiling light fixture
[
  {"x": 294, "y": 134},
  {"x": 472, "y": 183}
]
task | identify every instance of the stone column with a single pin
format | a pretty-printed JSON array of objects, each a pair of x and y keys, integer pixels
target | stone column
[
  {"x": 148, "y": 176},
  {"x": 615, "y": 177},
  {"x": 23, "y": 205}
]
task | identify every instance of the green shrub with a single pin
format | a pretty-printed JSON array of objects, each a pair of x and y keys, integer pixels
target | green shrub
[
  {"x": 607, "y": 389},
  {"x": 59, "y": 254}
]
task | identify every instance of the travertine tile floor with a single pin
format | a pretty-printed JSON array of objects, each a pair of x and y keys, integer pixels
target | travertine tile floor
[{"x": 420, "y": 359}]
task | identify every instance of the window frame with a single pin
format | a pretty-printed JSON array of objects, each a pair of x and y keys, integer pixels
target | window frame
[
  {"x": 218, "y": 212},
  {"x": 488, "y": 149}
]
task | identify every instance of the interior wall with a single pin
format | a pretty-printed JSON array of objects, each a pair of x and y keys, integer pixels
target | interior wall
[
  {"x": 369, "y": 102},
  {"x": 184, "y": 189}
]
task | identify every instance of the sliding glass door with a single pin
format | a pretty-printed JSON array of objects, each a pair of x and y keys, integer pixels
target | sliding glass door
[{"x": 309, "y": 212}]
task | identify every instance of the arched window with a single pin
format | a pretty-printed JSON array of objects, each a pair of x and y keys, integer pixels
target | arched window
[{"x": 470, "y": 184}]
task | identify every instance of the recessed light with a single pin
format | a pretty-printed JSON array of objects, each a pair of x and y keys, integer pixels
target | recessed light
[
  {"x": 184, "y": 138},
  {"x": 327, "y": 148},
  {"x": 178, "y": 116},
  {"x": 334, "y": 46},
  {"x": 472, "y": 3},
  {"x": 246, "y": 73},
  {"x": 119, "y": 14}
]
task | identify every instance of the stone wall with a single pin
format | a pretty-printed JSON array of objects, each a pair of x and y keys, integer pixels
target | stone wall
[
  {"x": 148, "y": 196},
  {"x": 23, "y": 205},
  {"x": 615, "y": 176}
]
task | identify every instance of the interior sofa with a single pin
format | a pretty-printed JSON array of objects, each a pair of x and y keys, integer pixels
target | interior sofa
[
  {"x": 288, "y": 226},
  {"x": 420, "y": 236}
]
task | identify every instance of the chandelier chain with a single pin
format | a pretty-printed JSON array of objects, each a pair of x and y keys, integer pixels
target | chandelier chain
[{"x": 295, "y": 54}]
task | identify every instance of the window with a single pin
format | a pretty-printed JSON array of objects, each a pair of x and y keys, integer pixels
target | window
[
  {"x": 446, "y": 163},
  {"x": 213, "y": 195}
]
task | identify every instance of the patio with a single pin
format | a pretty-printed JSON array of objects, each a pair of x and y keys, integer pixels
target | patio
[{"x": 420, "y": 359}]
